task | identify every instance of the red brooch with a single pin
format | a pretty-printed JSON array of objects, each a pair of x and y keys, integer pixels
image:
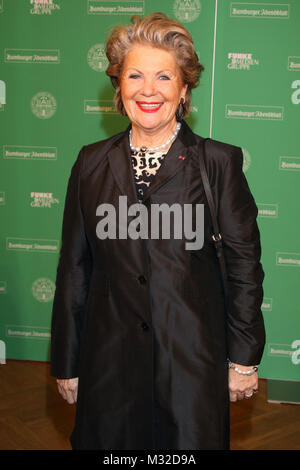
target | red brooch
[{"x": 181, "y": 157}]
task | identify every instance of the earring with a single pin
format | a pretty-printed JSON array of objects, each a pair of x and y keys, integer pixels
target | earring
[{"x": 180, "y": 110}]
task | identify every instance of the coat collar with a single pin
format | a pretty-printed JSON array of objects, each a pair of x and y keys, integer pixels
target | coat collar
[{"x": 121, "y": 166}]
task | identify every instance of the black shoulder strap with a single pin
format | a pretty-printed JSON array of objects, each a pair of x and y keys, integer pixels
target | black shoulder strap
[{"x": 216, "y": 236}]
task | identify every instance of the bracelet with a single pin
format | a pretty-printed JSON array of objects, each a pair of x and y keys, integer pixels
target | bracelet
[{"x": 242, "y": 372}]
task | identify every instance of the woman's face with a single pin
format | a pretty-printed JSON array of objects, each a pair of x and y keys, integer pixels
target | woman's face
[{"x": 151, "y": 88}]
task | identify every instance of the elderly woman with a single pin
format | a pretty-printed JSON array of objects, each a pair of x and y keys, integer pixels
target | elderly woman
[{"x": 140, "y": 324}]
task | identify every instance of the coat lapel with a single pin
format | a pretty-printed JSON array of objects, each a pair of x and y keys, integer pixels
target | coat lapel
[
  {"x": 121, "y": 167},
  {"x": 174, "y": 161}
]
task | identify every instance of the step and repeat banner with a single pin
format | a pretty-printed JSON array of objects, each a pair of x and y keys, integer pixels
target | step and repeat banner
[{"x": 55, "y": 97}]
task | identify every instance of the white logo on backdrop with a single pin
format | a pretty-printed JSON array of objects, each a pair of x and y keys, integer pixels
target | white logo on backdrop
[
  {"x": 42, "y": 199},
  {"x": 32, "y": 245},
  {"x": 43, "y": 105},
  {"x": 288, "y": 259},
  {"x": 296, "y": 94},
  {"x": 294, "y": 63},
  {"x": 32, "y": 56},
  {"x": 99, "y": 107},
  {"x": 247, "y": 159},
  {"x": 241, "y": 61},
  {"x": 2, "y": 352},
  {"x": 267, "y": 210},
  {"x": 96, "y": 58},
  {"x": 187, "y": 11},
  {"x": 296, "y": 354},
  {"x": 260, "y": 10},
  {"x": 43, "y": 7},
  {"x": 27, "y": 152},
  {"x": 115, "y": 7},
  {"x": 43, "y": 289},
  {"x": 3, "y": 287},
  {"x": 286, "y": 350},
  {"x": 289, "y": 163},
  {"x": 250, "y": 111},
  {"x": 28, "y": 332},
  {"x": 267, "y": 304},
  {"x": 2, "y": 198},
  {"x": 2, "y": 92}
]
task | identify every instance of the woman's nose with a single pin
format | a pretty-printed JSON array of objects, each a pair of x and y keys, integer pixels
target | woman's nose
[{"x": 148, "y": 87}]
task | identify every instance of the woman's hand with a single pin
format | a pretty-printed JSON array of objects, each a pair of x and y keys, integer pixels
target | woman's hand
[
  {"x": 242, "y": 386},
  {"x": 68, "y": 389}
]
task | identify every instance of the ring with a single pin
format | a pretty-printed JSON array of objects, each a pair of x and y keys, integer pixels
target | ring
[
  {"x": 255, "y": 390},
  {"x": 248, "y": 396}
]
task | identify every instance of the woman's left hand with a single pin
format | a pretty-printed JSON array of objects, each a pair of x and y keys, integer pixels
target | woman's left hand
[{"x": 242, "y": 386}]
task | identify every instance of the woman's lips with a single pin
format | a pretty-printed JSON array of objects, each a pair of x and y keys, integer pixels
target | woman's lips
[{"x": 149, "y": 107}]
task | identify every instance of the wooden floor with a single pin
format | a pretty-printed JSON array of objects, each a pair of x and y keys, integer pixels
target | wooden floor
[{"x": 33, "y": 416}]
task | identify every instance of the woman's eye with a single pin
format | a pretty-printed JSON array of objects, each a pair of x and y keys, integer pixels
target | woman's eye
[
  {"x": 164, "y": 77},
  {"x": 134, "y": 75}
]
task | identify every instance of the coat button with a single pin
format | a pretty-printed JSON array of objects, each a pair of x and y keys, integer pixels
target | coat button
[
  {"x": 144, "y": 326},
  {"x": 142, "y": 279}
]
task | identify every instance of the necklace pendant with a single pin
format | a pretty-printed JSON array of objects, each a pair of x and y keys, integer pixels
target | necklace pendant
[{"x": 143, "y": 149}]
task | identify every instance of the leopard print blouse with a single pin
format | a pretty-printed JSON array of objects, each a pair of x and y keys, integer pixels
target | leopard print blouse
[{"x": 145, "y": 165}]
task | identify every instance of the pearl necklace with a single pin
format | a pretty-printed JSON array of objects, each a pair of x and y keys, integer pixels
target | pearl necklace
[{"x": 155, "y": 149}]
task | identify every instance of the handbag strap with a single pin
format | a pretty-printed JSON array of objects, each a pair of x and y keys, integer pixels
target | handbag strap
[{"x": 216, "y": 236}]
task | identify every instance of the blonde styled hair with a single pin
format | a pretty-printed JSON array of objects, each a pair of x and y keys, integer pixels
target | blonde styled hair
[{"x": 160, "y": 31}]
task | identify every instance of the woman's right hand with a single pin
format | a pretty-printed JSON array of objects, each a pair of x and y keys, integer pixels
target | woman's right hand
[{"x": 68, "y": 389}]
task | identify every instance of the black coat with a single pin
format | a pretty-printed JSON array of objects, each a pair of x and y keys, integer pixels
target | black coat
[{"x": 142, "y": 322}]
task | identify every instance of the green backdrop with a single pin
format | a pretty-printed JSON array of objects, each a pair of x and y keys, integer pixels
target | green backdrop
[{"x": 55, "y": 98}]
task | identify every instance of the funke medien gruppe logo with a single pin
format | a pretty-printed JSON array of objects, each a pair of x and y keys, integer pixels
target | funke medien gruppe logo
[
  {"x": 241, "y": 61},
  {"x": 43, "y": 7}
]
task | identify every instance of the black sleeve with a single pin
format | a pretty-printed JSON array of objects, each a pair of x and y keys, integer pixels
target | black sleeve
[
  {"x": 72, "y": 283},
  {"x": 242, "y": 249}
]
